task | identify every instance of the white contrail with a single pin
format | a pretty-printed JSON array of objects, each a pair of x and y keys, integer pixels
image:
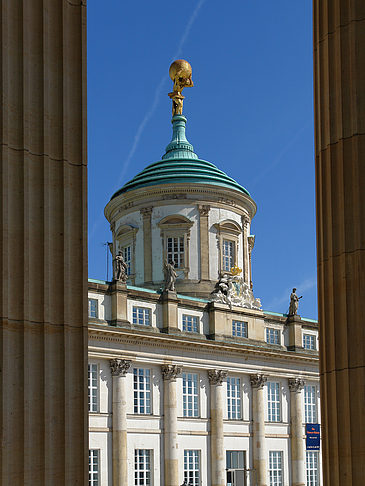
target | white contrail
[{"x": 156, "y": 97}]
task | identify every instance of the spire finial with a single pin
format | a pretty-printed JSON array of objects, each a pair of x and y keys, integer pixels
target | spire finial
[{"x": 180, "y": 73}]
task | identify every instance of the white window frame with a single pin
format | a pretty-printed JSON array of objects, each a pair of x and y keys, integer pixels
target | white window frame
[
  {"x": 143, "y": 460},
  {"x": 190, "y": 323},
  {"x": 94, "y": 473},
  {"x": 275, "y": 469},
  {"x": 312, "y": 468},
  {"x": 93, "y": 301},
  {"x": 93, "y": 387},
  {"x": 190, "y": 383},
  {"x": 234, "y": 402},
  {"x": 273, "y": 401},
  {"x": 142, "y": 393},
  {"x": 310, "y": 404},
  {"x": 192, "y": 473},
  {"x": 228, "y": 257},
  {"x": 229, "y": 231},
  {"x": 127, "y": 253},
  {"x": 141, "y": 316},
  {"x": 273, "y": 335},
  {"x": 309, "y": 341},
  {"x": 239, "y": 328}
]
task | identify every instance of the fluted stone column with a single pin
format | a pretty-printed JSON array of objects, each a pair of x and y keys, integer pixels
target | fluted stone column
[
  {"x": 204, "y": 241},
  {"x": 147, "y": 243},
  {"x": 171, "y": 462},
  {"x": 258, "y": 416},
  {"x": 296, "y": 386},
  {"x": 119, "y": 368},
  {"x": 217, "y": 457},
  {"x": 339, "y": 80},
  {"x": 43, "y": 257}
]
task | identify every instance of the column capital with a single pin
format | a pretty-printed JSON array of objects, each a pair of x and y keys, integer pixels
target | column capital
[
  {"x": 119, "y": 367},
  {"x": 296, "y": 384},
  {"x": 216, "y": 377},
  {"x": 245, "y": 220},
  {"x": 170, "y": 372},
  {"x": 147, "y": 211},
  {"x": 203, "y": 209},
  {"x": 258, "y": 380}
]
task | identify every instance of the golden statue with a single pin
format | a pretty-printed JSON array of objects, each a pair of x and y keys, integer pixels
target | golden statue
[
  {"x": 236, "y": 270},
  {"x": 180, "y": 73}
]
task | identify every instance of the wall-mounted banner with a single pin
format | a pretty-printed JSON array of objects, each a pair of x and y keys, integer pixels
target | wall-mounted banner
[{"x": 313, "y": 434}]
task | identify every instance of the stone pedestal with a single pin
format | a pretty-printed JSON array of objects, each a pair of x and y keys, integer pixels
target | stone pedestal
[
  {"x": 258, "y": 417},
  {"x": 294, "y": 324},
  {"x": 296, "y": 386},
  {"x": 171, "y": 459},
  {"x": 43, "y": 257},
  {"x": 119, "y": 294},
  {"x": 217, "y": 456},
  {"x": 169, "y": 311},
  {"x": 119, "y": 368},
  {"x": 339, "y": 79}
]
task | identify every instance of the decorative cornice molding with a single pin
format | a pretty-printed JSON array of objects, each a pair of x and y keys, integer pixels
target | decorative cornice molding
[
  {"x": 296, "y": 384},
  {"x": 216, "y": 377},
  {"x": 119, "y": 367},
  {"x": 170, "y": 372},
  {"x": 258, "y": 380}
]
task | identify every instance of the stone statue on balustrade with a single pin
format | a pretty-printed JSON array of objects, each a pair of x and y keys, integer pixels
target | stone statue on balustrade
[
  {"x": 170, "y": 276},
  {"x": 120, "y": 268},
  {"x": 294, "y": 303}
]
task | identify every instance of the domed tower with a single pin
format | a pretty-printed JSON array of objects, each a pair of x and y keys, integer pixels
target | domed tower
[{"x": 184, "y": 210}]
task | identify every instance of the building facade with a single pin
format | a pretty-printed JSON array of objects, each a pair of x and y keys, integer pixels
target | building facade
[{"x": 194, "y": 383}]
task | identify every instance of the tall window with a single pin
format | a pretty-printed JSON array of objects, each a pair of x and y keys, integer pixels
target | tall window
[
  {"x": 142, "y": 316},
  {"x": 228, "y": 255},
  {"x": 175, "y": 251},
  {"x": 273, "y": 401},
  {"x": 94, "y": 476},
  {"x": 309, "y": 341},
  {"x": 142, "y": 467},
  {"x": 93, "y": 308},
  {"x": 276, "y": 468},
  {"x": 312, "y": 468},
  {"x": 233, "y": 398},
  {"x": 127, "y": 256},
  {"x": 239, "y": 329},
  {"x": 190, "y": 395},
  {"x": 192, "y": 467},
  {"x": 92, "y": 387},
  {"x": 142, "y": 390},
  {"x": 272, "y": 336},
  {"x": 310, "y": 404},
  {"x": 190, "y": 323},
  {"x": 235, "y": 460}
]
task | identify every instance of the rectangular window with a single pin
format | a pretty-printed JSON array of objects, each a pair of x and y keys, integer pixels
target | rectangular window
[
  {"x": 190, "y": 395},
  {"x": 228, "y": 255},
  {"x": 142, "y": 467},
  {"x": 310, "y": 404},
  {"x": 142, "y": 390},
  {"x": 276, "y": 468},
  {"x": 93, "y": 308},
  {"x": 272, "y": 336},
  {"x": 176, "y": 251},
  {"x": 190, "y": 323},
  {"x": 192, "y": 467},
  {"x": 233, "y": 398},
  {"x": 309, "y": 341},
  {"x": 239, "y": 329},
  {"x": 92, "y": 388},
  {"x": 235, "y": 464},
  {"x": 127, "y": 256},
  {"x": 273, "y": 401},
  {"x": 312, "y": 468},
  {"x": 94, "y": 466},
  {"x": 142, "y": 316}
]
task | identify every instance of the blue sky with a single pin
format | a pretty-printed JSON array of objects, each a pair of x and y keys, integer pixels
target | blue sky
[{"x": 250, "y": 112}]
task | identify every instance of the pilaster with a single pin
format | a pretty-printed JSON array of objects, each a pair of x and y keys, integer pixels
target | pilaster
[
  {"x": 147, "y": 243},
  {"x": 294, "y": 325},
  {"x": 296, "y": 386},
  {"x": 245, "y": 249},
  {"x": 170, "y": 311},
  {"x": 258, "y": 416},
  {"x": 218, "y": 473},
  {"x": 171, "y": 459},
  {"x": 119, "y": 369},
  {"x": 204, "y": 241}
]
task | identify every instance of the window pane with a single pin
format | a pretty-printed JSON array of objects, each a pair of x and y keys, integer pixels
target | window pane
[
  {"x": 228, "y": 255},
  {"x": 175, "y": 251},
  {"x": 239, "y": 329},
  {"x": 233, "y": 398},
  {"x": 312, "y": 468},
  {"x": 94, "y": 455},
  {"x": 273, "y": 401},
  {"x": 142, "y": 467},
  {"x": 190, "y": 395},
  {"x": 275, "y": 468},
  {"x": 93, "y": 308},
  {"x": 192, "y": 467},
  {"x": 141, "y": 316},
  {"x": 142, "y": 390},
  {"x": 127, "y": 255},
  {"x": 93, "y": 387},
  {"x": 272, "y": 336},
  {"x": 310, "y": 404},
  {"x": 190, "y": 323}
]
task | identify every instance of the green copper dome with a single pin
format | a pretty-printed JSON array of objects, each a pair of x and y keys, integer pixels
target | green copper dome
[{"x": 180, "y": 165}]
